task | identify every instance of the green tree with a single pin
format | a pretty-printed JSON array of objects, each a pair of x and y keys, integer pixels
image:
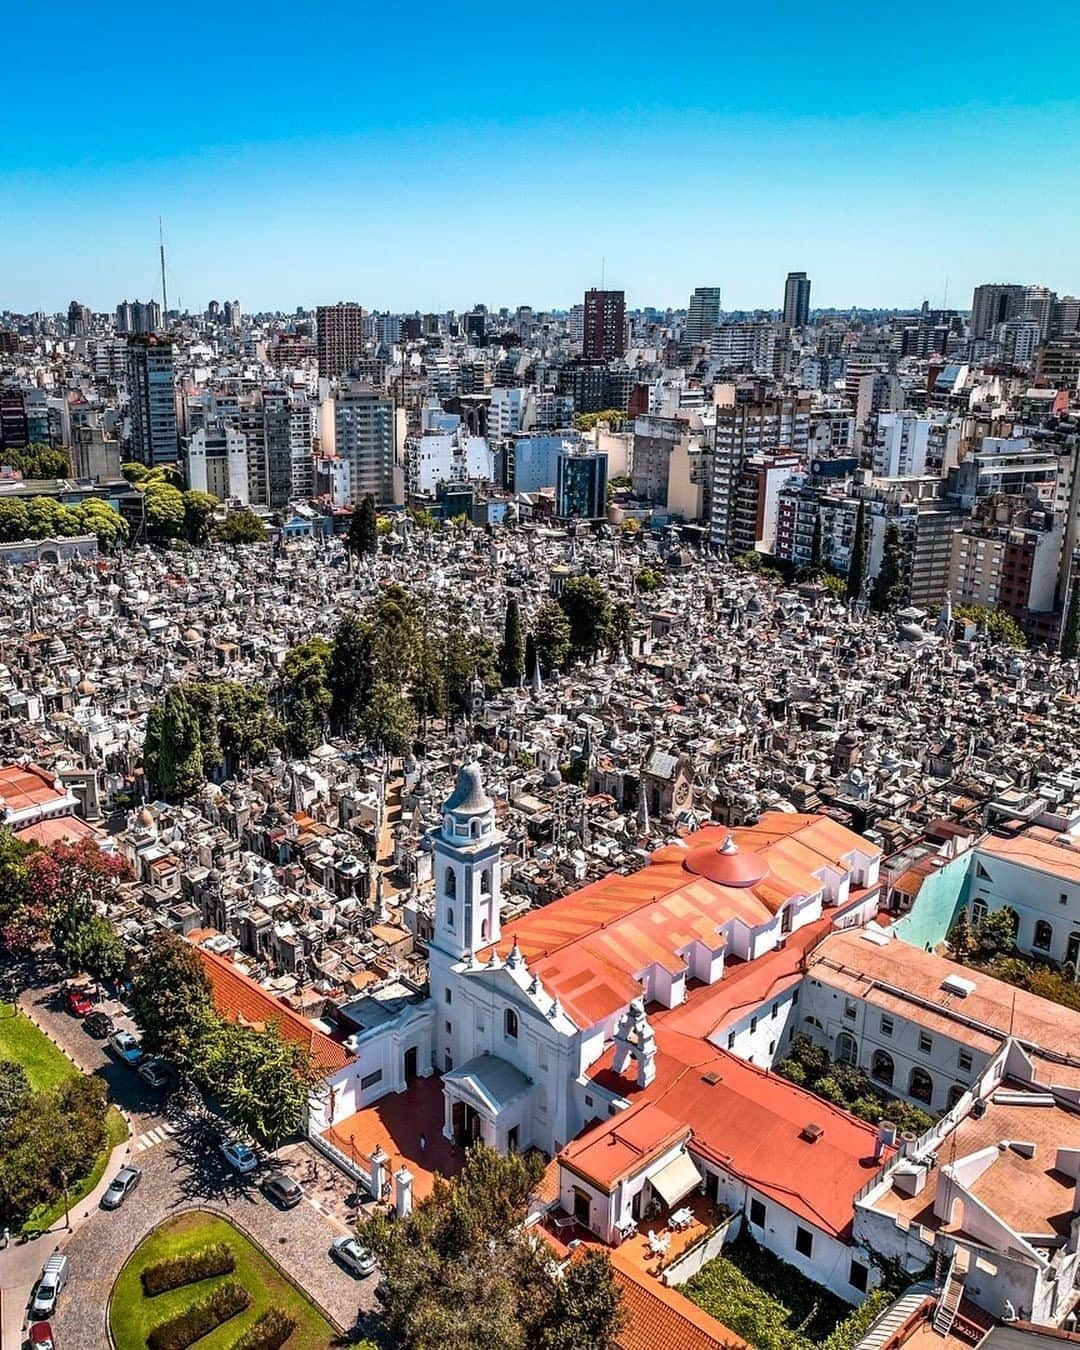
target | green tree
[
  {"x": 388, "y": 720},
  {"x": 15, "y": 896},
  {"x": 14, "y": 1090},
  {"x": 98, "y": 517},
  {"x": 172, "y": 1001},
  {"x": 14, "y": 521},
  {"x": 262, "y": 1081},
  {"x": 887, "y": 591},
  {"x": 94, "y": 946},
  {"x": 363, "y": 535},
  {"x": 240, "y": 527},
  {"x": 350, "y": 674},
  {"x": 50, "y": 519},
  {"x": 815, "y": 545},
  {"x": 199, "y": 508},
  {"x": 551, "y": 636},
  {"x": 512, "y": 651},
  {"x": 962, "y": 938},
  {"x": 647, "y": 580},
  {"x": 1070, "y": 629},
  {"x": 587, "y": 607},
  {"x": 1001, "y": 627},
  {"x": 53, "y": 1136},
  {"x": 39, "y": 461},
  {"x": 172, "y": 748},
  {"x": 459, "y": 1270},
  {"x": 621, "y": 629},
  {"x": 305, "y": 692},
  {"x": 164, "y": 508},
  {"x": 137, "y": 473},
  {"x": 997, "y": 932},
  {"x": 857, "y": 565}
]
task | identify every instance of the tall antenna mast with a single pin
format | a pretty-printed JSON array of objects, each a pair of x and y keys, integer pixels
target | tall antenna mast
[{"x": 164, "y": 292}]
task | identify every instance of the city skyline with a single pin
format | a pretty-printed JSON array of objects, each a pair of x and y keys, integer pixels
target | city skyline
[{"x": 812, "y": 157}]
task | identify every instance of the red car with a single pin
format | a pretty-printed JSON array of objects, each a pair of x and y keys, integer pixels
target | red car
[
  {"x": 78, "y": 1003},
  {"x": 41, "y": 1337}
]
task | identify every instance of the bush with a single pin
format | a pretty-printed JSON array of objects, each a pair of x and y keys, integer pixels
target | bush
[
  {"x": 176, "y": 1271},
  {"x": 178, "y": 1332},
  {"x": 269, "y": 1331}
]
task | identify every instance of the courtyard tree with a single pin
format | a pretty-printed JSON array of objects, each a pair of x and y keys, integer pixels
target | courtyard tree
[
  {"x": 512, "y": 651},
  {"x": 587, "y": 607}
]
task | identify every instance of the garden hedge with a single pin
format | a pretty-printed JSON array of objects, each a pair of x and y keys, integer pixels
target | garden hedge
[
  {"x": 269, "y": 1331},
  {"x": 176, "y": 1271},
  {"x": 200, "y": 1318}
]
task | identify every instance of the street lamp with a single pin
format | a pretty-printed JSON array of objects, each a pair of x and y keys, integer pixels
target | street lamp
[{"x": 67, "y": 1211}]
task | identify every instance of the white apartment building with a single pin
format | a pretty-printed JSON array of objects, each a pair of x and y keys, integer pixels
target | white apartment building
[{"x": 217, "y": 462}]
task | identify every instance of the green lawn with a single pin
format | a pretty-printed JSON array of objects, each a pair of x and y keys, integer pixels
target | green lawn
[
  {"x": 47, "y": 1067},
  {"x": 20, "y": 1040},
  {"x": 132, "y": 1316}
]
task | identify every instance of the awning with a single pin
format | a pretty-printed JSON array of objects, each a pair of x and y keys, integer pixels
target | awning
[{"x": 676, "y": 1179}]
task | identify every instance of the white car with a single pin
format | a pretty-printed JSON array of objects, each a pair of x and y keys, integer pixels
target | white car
[
  {"x": 351, "y": 1255},
  {"x": 239, "y": 1157}
]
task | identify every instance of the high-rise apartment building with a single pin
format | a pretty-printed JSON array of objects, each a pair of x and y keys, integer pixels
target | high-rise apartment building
[
  {"x": 751, "y": 420},
  {"x": 604, "y": 326},
  {"x": 581, "y": 484},
  {"x": 364, "y": 438},
  {"x": 797, "y": 300},
  {"x": 78, "y": 319},
  {"x": 152, "y": 400},
  {"x": 703, "y": 314},
  {"x": 1059, "y": 363},
  {"x": 994, "y": 303},
  {"x": 340, "y": 337}
]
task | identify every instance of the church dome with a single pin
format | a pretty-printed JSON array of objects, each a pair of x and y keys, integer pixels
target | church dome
[
  {"x": 728, "y": 865},
  {"x": 468, "y": 797}
]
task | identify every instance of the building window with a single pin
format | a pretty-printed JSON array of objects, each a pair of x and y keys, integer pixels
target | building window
[
  {"x": 370, "y": 1079},
  {"x": 449, "y": 1028},
  {"x": 448, "y": 994},
  {"x": 757, "y": 1213},
  {"x": 926, "y": 1042},
  {"x": 794, "y": 998},
  {"x": 804, "y": 1241},
  {"x": 964, "y": 1060},
  {"x": 1063, "y": 899},
  {"x": 448, "y": 1062},
  {"x": 450, "y": 884},
  {"x": 731, "y": 1040},
  {"x": 753, "y": 1025},
  {"x": 886, "y": 1026},
  {"x": 921, "y": 1086},
  {"x": 510, "y": 1024},
  {"x": 450, "y": 917},
  {"x": 978, "y": 910},
  {"x": 849, "y": 1008},
  {"x": 858, "y": 1276},
  {"x": 1044, "y": 936},
  {"x": 485, "y": 883},
  {"x": 483, "y": 930},
  {"x": 881, "y": 1067},
  {"x": 847, "y": 1048},
  {"x": 955, "y": 1093}
]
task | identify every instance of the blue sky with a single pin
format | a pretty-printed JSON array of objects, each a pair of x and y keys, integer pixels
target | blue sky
[{"x": 423, "y": 156}]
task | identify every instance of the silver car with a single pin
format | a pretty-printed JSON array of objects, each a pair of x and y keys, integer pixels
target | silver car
[
  {"x": 121, "y": 1187},
  {"x": 354, "y": 1257}
]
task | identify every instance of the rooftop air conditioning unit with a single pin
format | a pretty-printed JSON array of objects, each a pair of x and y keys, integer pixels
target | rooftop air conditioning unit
[
  {"x": 812, "y": 1133},
  {"x": 956, "y": 984}
]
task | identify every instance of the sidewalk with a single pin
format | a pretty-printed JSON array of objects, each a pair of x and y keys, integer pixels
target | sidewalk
[{"x": 21, "y": 1263}]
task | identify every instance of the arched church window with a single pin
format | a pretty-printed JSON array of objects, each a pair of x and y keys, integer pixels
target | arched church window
[
  {"x": 450, "y": 883},
  {"x": 510, "y": 1024},
  {"x": 485, "y": 883}
]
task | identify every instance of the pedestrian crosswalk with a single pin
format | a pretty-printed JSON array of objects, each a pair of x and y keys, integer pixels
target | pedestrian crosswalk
[{"x": 157, "y": 1135}]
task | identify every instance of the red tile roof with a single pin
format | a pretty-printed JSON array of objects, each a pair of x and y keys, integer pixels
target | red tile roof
[
  {"x": 590, "y": 947},
  {"x": 59, "y": 830},
  {"x": 659, "y": 1318},
  {"x": 239, "y": 998},
  {"x": 26, "y": 785}
]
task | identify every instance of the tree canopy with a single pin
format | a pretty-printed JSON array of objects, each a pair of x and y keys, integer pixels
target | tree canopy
[
  {"x": 512, "y": 651},
  {"x": 585, "y": 602},
  {"x": 460, "y": 1270},
  {"x": 363, "y": 537},
  {"x": 1002, "y": 627},
  {"x": 240, "y": 527},
  {"x": 38, "y": 461},
  {"x": 206, "y": 728},
  {"x": 888, "y": 590}
]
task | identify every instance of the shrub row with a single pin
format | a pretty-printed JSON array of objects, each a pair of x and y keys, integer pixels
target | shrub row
[
  {"x": 176, "y": 1271},
  {"x": 269, "y": 1331},
  {"x": 200, "y": 1318}
]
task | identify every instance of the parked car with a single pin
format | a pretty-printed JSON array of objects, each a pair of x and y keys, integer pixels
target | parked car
[
  {"x": 239, "y": 1157},
  {"x": 281, "y": 1187},
  {"x": 155, "y": 1072},
  {"x": 99, "y": 1025},
  {"x": 47, "y": 1290},
  {"x": 126, "y": 1048},
  {"x": 351, "y": 1255},
  {"x": 121, "y": 1187},
  {"x": 78, "y": 1002},
  {"x": 41, "y": 1336}
]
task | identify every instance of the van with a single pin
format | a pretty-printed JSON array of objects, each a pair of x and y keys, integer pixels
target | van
[{"x": 53, "y": 1279}]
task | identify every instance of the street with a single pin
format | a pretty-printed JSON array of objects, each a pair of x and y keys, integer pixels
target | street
[{"x": 182, "y": 1168}]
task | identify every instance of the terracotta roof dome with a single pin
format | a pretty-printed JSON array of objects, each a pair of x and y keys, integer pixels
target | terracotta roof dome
[{"x": 728, "y": 865}]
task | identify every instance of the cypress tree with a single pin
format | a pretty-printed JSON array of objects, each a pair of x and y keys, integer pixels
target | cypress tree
[
  {"x": 512, "y": 651},
  {"x": 887, "y": 589},
  {"x": 858, "y": 560},
  {"x": 363, "y": 528}
]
